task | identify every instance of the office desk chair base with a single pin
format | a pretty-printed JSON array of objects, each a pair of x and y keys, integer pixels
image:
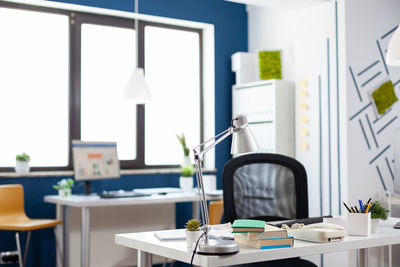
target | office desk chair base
[{"x": 217, "y": 247}]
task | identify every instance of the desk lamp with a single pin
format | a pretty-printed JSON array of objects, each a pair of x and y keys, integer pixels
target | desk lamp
[{"x": 243, "y": 141}]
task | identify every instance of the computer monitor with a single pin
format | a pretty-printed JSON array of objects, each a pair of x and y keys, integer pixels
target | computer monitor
[{"x": 94, "y": 161}]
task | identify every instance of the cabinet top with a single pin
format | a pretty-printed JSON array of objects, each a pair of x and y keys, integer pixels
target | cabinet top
[{"x": 274, "y": 82}]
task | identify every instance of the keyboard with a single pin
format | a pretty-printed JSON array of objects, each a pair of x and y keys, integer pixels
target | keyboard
[{"x": 121, "y": 193}]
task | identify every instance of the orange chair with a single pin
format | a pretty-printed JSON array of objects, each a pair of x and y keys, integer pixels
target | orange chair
[
  {"x": 13, "y": 217},
  {"x": 216, "y": 210}
]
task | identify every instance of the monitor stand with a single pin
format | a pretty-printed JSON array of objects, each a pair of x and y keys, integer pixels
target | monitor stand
[{"x": 87, "y": 188}]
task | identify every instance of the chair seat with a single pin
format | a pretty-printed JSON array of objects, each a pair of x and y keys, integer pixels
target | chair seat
[{"x": 26, "y": 224}]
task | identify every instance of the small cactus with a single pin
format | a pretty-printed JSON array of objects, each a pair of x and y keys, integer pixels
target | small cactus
[{"x": 193, "y": 225}]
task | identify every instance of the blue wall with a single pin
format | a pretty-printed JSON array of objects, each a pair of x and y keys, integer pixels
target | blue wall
[{"x": 230, "y": 21}]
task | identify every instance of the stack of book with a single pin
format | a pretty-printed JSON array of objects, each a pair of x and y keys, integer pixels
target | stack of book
[{"x": 258, "y": 234}]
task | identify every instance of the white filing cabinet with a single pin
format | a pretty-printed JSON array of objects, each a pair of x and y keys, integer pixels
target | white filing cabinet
[{"x": 269, "y": 106}]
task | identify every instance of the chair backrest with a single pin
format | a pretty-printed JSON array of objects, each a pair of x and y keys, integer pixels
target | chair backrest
[
  {"x": 11, "y": 200},
  {"x": 264, "y": 186}
]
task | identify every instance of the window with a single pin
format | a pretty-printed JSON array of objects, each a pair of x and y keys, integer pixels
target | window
[
  {"x": 34, "y": 87},
  {"x": 107, "y": 56},
  {"x": 63, "y": 73},
  {"x": 172, "y": 62}
]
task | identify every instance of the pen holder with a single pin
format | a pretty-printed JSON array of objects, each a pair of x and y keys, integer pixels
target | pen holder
[{"x": 359, "y": 224}]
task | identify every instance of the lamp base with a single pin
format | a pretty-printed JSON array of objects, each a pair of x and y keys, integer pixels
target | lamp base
[{"x": 217, "y": 247}]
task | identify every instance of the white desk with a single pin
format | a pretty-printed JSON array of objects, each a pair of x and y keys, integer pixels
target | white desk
[
  {"x": 148, "y": 245},
  {"x": 87, "y": 202}
]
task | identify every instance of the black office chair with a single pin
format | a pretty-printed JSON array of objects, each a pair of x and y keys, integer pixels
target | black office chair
[{"x": 268, "y": 187}]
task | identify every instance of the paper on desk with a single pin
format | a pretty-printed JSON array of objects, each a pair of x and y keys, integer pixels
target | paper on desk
[{"x": 221, "y": 231}]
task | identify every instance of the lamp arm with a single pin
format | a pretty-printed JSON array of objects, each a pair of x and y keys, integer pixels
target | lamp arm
[
  {"x": 198, "y": 157},
  {"x": 222, "y": 136}
]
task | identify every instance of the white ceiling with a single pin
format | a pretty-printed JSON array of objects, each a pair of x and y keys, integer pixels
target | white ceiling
[{"x": 285, "y": 4}]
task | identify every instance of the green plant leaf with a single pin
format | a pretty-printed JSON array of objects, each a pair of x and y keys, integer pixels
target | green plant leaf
[
  {"x": 187, "y": 171},
  {"x": 22, "y": 157},
  {"x": 193, "y": 225},
  {"x": 182, "y": 141},
  {"x": 379, "y": 212}
]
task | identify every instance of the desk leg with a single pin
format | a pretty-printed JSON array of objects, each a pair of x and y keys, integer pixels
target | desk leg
[
  {"x": 363, "y": 257},
  {"x": 85, "y": 237},
  {"x": 145, "y": 259},
  {"x": 65, "y": 235},
  {"x": 195, "y": 210}
]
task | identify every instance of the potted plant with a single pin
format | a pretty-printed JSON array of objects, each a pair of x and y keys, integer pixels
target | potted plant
[
  {"x": 186, "y": 150},
  {"x": 22, "y": 163},
  {"x": 192, "y": 232},
  {"x": 186, "y": 179},
  {"x": 377, "y": 213},
  {"x": 64, "y": 187}
]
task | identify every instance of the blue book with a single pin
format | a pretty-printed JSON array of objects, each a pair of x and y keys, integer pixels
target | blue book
[{"x": 266, "y": 243}]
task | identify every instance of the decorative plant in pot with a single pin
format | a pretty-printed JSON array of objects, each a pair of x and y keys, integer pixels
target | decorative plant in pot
[
  {"x": 187, "y": 169},
  {"x": 192, "y": 232},
  {"x": 186, "y": 179},
  {"x": 186, "y": 150},
  {"x": 22, "y": 163},
  {"x": 377, "y": 213},
  {"x": 64, "y": 187}
]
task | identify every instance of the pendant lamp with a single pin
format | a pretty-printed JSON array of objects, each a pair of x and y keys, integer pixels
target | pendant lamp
[{"x": 136, "y": 88}]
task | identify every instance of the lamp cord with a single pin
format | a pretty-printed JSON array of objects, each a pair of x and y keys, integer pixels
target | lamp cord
[{"x": 195, "y": 248}]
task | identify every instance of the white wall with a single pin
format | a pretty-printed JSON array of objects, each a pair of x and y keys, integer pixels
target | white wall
[
  {"x": 307, "y": 38},
  {"x": 319, "y": 45},
  {"x": 272, "y": 29},
  {"x": 367, "y": 23}
]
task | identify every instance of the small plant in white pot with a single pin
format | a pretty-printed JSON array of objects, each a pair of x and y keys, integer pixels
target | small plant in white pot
[
  {"x": 64, "y": 187},
  {"x": 377, "y": 213},
  {"x": 192, "y": 232},
  {"x": 22, "y": 163},
  {"x": 186, "y": 150},
  {"x": 186, "y": 179}
]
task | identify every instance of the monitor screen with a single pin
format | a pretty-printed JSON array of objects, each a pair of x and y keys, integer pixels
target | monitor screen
[{"x": 95, "y": 160}]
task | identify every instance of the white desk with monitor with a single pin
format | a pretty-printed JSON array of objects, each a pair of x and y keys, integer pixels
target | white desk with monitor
[
  {"x": 85, "y": 203},
  {"x": 148, "y": 245}
]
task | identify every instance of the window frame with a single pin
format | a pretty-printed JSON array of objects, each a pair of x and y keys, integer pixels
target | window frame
[{"x": 76, "y": 18}]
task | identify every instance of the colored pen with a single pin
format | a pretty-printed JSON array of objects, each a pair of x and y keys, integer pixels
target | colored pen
[
  {"x": 356, "y": 209},
  {"x": 367, "y": 208},
  {"x": 352, "y": 210},
  {"x": 369, "y": 200},
  {"x": 361, "y": 206},
  {"x": 346, "y": 207}
]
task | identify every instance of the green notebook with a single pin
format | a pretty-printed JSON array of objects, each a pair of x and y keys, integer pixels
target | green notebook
[{"x": 247, "y": 225}]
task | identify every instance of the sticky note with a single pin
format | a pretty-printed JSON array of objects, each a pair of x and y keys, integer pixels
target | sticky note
[
  {"x": 303, "y": 106},
  {"x": 304, "y": 132},
  {"x": 304, "y": 145},
  {"x": 304, "y": 93},
  {"x": 304, "y": 119},
  {"x": 303, "y": 82}
]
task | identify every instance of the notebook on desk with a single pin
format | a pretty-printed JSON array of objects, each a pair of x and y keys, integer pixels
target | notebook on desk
[{"x": 176, "y": 234}]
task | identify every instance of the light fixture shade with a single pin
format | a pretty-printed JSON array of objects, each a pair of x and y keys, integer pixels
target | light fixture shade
[
  {"x": 137, "y": 88},
  {"x": 393, "y": 50},
  {"x": 243, "y": 140}
]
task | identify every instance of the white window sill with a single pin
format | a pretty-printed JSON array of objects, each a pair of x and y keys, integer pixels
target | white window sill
[{"x": 42, "y": 174}]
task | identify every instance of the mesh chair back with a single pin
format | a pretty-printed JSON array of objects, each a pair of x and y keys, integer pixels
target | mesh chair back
[{"x": 264, "y": 186}]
